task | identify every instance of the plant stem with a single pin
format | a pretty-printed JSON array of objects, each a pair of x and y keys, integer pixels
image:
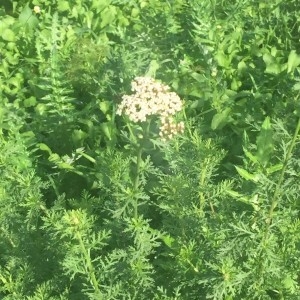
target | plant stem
[
  {"x": 276, "y": 195},
  {"x": 90, "y": 267},
  {"x": 281, "y": 178},
  {"x": 137, "y": 178},
  {"x": 139, "y": 145}
]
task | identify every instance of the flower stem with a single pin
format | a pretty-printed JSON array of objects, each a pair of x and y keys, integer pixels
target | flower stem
[{"x": 137, "y": 179}]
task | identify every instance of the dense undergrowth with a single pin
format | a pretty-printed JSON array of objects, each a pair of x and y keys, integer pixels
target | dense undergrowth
[{"x": 149, "y": 149}]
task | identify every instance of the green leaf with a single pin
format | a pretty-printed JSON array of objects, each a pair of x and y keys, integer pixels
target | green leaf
[
  {"x": 108, "y": 15},
  {"x": 30, "y": 102},
  {"x": 274, "y": 168},
  {"x": 25, "y": 14},
  {"x": 272, "y": 66},
  {"x": 248, "y": 176},
  {"x": 63, "y": 165},
  {"x": 106, "y": 129},
  {"x": 168, "y": 240},
  {"x": 293, "y": 61},
  {"x": 44, "y": 147},
  {"x": 264, "y": 143},
  {"x": 91, "y": 159},
  {"x": 104, "y": 106},
  {"x": 8, "y": 35},
  {"x": 135, "y": 12},
  {"x": 26, "y": 17},
  {"x": 219, "y": 120},
  {"x": 238, "y": 196},
  {"x": 222, "y": 59},
  {"x": 153, "y": 67},
  {"x": 249, "y": 155},
  {"x": 63, "y": 6}
]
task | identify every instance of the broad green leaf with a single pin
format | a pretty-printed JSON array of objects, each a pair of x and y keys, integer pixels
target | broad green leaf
[
  {"x": 242, "y": 66},
  {"x": 108, "y": 15},
  {"x": 293, "y": 61},
  {"x": 222, "y": 59},
  {"x": 31, "y": 101},
  {"x": 11, "y": 58},
  {"x": 106, "y": 130},
  {"x": 63, "y": 6},
  {"x": 104, "y": 106},
  {"x": 100, "y": 5},
  {"x": 25, "y": 15},
  {"x": 168, "y": 240},
  {"x": 235, "y": 84},
  {"x": 153, "y": 67},
  {"x": 8, "y": 35},
  {"x": 272, "y": 66},
  {"x": 27, "y": 18},
  {"x": 135, "y": 12},
  {"x": 89, "y": 18},
  {"x": 264, "y": 143},
  {"x": 220, "y": 119},
  {"x": 78, "y": 135},
  {"x": 41, "y": 109},
  {"x": 296, "y": 86}
]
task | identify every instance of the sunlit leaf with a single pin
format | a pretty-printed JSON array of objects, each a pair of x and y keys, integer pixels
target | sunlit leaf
[
  {"x": 264, "y": 142},
  {"x": 293, "y": 61}
]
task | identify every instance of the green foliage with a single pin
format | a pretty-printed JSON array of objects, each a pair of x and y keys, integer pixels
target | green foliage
[{"x": 94, "y": 206}]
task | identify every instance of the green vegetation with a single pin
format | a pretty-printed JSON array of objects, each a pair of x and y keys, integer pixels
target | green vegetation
[{"x": 149, "y": 149}]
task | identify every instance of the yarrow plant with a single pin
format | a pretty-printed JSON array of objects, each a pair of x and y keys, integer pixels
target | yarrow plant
[{"x": 152, "y": 98}]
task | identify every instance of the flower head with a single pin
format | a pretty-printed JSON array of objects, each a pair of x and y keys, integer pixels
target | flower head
[
  {"x": 169, "y": 128},
  {"x": 150, "y": 98},
  {"x": 37, "y": 9}
]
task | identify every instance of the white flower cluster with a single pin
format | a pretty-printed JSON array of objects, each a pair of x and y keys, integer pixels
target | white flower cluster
[
  {"x": 169, "y": 128},
  {"x": 152, "y": 98}
]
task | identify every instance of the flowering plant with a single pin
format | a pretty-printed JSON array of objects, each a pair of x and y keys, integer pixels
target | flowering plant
[{"x": 152, "y": 98}]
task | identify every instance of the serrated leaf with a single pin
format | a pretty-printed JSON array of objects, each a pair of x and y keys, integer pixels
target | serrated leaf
[
  {"x": 275, "y": 168},
  {"x": 252, "y": 157},
  {"x": 248, "y": 176}
]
